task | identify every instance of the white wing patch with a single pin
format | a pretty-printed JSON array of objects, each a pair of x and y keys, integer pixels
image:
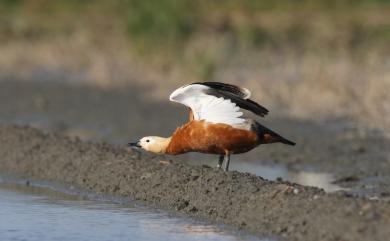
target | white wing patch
[{"x": 208, "y": 107}]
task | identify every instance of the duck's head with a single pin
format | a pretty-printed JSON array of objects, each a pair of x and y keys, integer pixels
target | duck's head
[{"x": 153, "y": 144}]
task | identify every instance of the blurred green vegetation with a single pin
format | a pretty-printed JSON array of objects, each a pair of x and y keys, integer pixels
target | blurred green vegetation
[
  {"x": 171, "y": 24},
  {"x": 313, "y": 56}
]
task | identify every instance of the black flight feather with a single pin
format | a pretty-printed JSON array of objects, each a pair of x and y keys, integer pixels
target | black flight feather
[
  {"x": 240, "y": 92},
  {"x": 236, "y": 95}
]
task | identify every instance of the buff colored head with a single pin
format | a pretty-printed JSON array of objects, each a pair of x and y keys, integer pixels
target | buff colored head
[{"x": 153, "y": 144}]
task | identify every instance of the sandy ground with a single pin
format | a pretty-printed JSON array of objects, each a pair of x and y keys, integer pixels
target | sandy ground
[{"x": 247, "y": 201}]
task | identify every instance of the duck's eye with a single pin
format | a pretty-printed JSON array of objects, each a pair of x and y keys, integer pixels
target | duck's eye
[{"x": 147, "y": 140}]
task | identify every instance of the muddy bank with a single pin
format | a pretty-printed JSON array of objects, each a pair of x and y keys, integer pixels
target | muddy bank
[
  {"x": 358, "y": 158},
  {"x": 243, "y": 200}
]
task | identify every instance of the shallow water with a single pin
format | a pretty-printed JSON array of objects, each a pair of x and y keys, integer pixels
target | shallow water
[
  {"x": 34, "y": 213},
  {"x": 306, "y": 178},
  {"x": 274, "y": 172}
]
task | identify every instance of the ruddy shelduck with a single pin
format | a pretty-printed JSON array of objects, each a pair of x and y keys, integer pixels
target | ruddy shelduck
[{"x": 216, "y": 124}]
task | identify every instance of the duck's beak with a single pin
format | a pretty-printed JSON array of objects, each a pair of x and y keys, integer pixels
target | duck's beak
[{"x": 135, "y": 144}]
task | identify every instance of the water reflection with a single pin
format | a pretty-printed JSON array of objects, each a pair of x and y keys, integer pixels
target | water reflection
[
  {"x": 31, "y": 213},
  {"x": 321, "y": 180}
]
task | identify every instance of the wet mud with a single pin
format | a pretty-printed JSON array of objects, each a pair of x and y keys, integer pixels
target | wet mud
[
  {"x": 247, "y": 201},
  {"x": 356, "y": 158}
]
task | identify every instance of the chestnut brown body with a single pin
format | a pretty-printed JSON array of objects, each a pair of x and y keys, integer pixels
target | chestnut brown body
[{"x": 206, "y": 137}]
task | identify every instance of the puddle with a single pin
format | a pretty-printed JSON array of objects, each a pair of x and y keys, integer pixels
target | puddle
[
  {"x": 36, "y": 213},
  {"x": 372, "y": 187},
  {"x": 306, "y": 178},
  {"x": 369, "y": 187}
]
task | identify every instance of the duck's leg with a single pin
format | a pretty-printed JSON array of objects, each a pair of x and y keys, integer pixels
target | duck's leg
[
  {"x": 220, "y": 161},
  {"x": 227, "y": 162}
]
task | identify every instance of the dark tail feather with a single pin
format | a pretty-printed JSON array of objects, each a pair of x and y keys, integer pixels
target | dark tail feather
[
  {"x": 268, "y": 136},
  {"x": 285, "y": 141}
]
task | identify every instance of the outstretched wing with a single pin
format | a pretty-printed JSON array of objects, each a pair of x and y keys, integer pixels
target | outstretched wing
[
  {"x": 237, "y": 95},
  {"x": 216, "y": 102}
]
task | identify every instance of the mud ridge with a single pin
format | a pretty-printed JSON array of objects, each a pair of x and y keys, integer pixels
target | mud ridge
[{"x": 243, "y": 200}]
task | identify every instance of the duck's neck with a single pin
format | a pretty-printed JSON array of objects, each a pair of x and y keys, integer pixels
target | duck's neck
[{"x": 161, "y": 145}]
